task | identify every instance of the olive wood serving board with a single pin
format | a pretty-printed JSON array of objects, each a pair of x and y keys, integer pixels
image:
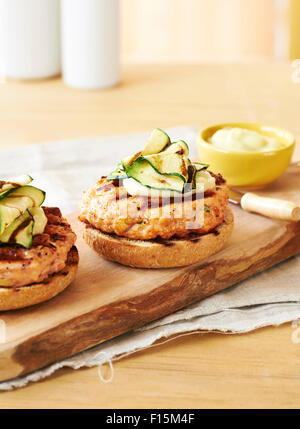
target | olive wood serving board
[{"x": 108, "y": 299}]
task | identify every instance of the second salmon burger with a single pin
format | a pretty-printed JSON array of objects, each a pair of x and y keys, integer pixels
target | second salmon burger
[{"x": 157, "y": 209}]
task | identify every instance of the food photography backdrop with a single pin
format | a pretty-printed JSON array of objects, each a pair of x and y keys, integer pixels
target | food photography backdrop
[{"x": 82, "y": 84}]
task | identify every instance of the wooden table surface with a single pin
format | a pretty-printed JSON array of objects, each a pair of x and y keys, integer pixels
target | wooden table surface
[{"x": 259, "y": 369}]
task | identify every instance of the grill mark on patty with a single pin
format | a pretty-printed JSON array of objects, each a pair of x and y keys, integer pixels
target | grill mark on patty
[
  {"x": 113, "y": 183},
  {"x": 9, "y": 252},
  {"x": 150, "y": 202},
  {"x": 72, "y": 259},
  {"x": 57, "y": 237},
  {"x": 47, "y": 255},
  {"x": 13, "y": 254},
  {"x": 106, "y": 187},
  {"x": 115, "y": 186},
  {"x": 52, "y": 210},
  {"x": 120, "y": 197},
  {"x": 159, "y": 202},
  {"x": 219, "y": 178},
  {"x": 193, "y": 237}
]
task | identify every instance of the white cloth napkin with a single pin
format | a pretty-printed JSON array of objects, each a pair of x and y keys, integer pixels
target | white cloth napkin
[{"x": 67, "y": 168}]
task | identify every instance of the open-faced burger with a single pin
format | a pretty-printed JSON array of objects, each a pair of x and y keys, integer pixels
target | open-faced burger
[
  {"x": 157, "y": 209},
  {"x": 38, "y": 258}
]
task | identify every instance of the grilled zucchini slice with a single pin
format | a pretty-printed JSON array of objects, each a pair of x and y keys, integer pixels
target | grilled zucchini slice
[
  {"x": 40, "y": 220},
  {"x": 179, "y": 147},
  {"x": 19, "y": 231},
  {"x": 203, "y": 177},
  {"x": 200, "y": 166},
  {"x": 171, "y": 163},
  {"x": 36, "y": 195},
  {"x": 117, "y": 174},
  {"x": 7, "y": 186},
  {"x": 128, "y": 160},
  {"x": 156, "y": 143},
  {"x": 143, "y": 171},
  {"x": 24, "y": 237},
  {"x": 7, "y": 216},
  {"x": 20, "y": 203}
]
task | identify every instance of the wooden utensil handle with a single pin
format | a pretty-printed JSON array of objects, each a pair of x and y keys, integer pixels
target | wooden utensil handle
[{"x": 270, "y": 207}]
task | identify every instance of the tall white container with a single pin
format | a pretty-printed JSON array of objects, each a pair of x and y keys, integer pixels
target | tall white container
[
  {"x": 29, "y": 38},
  {"x": 90, "y": 43}
]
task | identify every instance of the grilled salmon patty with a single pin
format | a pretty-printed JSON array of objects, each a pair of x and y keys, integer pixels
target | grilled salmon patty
[
  {"x": 47, "y": 255},
  {"x": 108, "y": 207}
]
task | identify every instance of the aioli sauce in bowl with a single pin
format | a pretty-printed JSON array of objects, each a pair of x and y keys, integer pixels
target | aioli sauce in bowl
[{"x": 243, "y": 140}]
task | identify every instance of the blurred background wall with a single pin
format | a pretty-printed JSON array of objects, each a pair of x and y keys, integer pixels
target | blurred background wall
[
  {"x": 207, "y": 30},
  {"x": 195, "y": 31}
]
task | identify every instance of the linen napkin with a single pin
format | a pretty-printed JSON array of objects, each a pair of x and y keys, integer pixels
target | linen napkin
[{"x": 65, "y": 169}]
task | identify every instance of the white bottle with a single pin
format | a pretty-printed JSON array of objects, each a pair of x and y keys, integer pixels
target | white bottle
[
  {"x": 90, "y": 43},
  {"x": 29, "y": 38}
]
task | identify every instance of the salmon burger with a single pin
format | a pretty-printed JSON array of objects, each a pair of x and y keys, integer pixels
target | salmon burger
[
  {"x": 38, "y": 257},
  {"x": 157, "y": 209}
]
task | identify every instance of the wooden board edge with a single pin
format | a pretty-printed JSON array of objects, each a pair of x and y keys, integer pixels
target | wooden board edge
[{"x": 105, "y": 323}]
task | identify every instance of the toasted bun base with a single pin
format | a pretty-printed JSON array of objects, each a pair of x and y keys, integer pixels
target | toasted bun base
[
  {"x": 16, "y": 298},
  {"x": 162, "y": 253}
]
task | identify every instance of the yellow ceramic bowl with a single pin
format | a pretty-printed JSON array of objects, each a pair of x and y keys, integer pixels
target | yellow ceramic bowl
[{"x": 248, "y": 170}]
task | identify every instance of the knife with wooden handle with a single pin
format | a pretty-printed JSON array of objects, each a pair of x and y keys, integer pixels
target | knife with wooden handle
[{"x": 270, "y": 207}]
